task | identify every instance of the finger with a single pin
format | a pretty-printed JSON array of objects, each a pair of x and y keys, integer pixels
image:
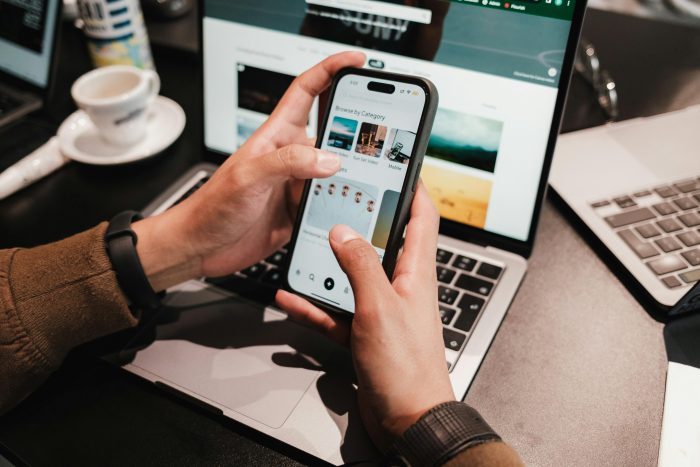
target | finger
[
  {"x": 421, "y": 235},
  {"x": 295, "y": 105},
  {"x": 295, "y": 161},
  {"x": 359, "y": 260},
  {"x": 301, "y": 310}
]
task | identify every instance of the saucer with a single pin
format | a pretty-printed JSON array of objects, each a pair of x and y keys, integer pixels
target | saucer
[{"x": 79, "y": 140}]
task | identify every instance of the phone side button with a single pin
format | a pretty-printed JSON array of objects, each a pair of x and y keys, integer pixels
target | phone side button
[{"x": 416, "y": 177}]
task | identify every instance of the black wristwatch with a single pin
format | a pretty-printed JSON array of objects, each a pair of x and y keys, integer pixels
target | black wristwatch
[
  {"x": 120, "y": 242},
  {"x": 439, "y": 435}
]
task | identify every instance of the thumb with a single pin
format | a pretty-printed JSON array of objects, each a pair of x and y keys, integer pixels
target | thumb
[
  {"x": 359, "y": 260},
  {"x": 293, "y": 161}
]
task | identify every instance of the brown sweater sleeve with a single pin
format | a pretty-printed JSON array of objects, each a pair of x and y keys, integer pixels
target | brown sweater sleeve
[{"x": 53, "y": 298}]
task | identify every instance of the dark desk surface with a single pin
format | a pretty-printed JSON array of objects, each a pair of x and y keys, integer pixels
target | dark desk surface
[{"x": 575, "y": 375}]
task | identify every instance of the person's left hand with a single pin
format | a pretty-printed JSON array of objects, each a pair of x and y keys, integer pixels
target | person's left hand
[{"x": 247, "y": 209}]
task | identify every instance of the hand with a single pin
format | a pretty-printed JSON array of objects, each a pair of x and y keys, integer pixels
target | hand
[
  {"x": 246, "y": 211},
  {"x": 396, "y": 334}
]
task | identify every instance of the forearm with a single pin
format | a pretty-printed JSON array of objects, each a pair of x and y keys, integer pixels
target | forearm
[{"x": 53, "y": 298}]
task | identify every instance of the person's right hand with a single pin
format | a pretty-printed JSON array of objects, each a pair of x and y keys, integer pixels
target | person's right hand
[{"x": 396, "y": 334}]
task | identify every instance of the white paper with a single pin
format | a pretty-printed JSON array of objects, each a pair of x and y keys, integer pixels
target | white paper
[{"x": 680, "y": 431}]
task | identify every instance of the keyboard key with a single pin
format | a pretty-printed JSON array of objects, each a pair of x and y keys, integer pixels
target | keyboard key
[
  {"x": 697, "y": 197},
  {"x": 474, "y": 284},
  {"x": 665, "y": 191},
  {"x": 664, "y": 208},
  {"x": 666, "y": 264},
  {"x": 685, "y": 203},
  {"x": 277, "y": 258},
  {"x": 690, "y": 238},
  {"x": 489, "y": 270},
  {"x": 465, "y": 263},
  {"x": 600, "y": 204},
  {"x": 625, "y": 202},
  {"x": 471, "y": 303},
  {"x": 687, "y": 186},
  {"x": 669, "y": 225},
  {"x": 630, "y": 217},
  {"x": 443, "y": 256},
  {"x": 668, "y": 244},
  {"x": 453, "y": 340},
  {"x": 254, "y": 271},
  {"x": 692, "y": 256},
  {"x": 642, "y": 249},
  {"x": 466, "y": 320},
  {"x": 273, "y": 277},
  {"x": 446, "y": 314},
  {"x": 647, "y": 230},
  {"x": 671, "y": 282},
  {"x": 691, "y": 276},
  {"x": 642, "y": 194},
  {"x": 690, "y": 219},
  {"x": 447, "y": 295},
  {"x": 445, "y": 275}
]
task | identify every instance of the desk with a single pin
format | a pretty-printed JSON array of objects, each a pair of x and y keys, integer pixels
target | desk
[{"x": 574, "y": 377}]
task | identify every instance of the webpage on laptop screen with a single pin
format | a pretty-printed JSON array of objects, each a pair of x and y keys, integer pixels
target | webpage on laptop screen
[{"x": 496, "y": 65}]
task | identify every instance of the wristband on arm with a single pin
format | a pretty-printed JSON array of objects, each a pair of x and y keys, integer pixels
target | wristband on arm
[
  {"x": 120, "y": 242},
  {"x": 439, "y": 435}
]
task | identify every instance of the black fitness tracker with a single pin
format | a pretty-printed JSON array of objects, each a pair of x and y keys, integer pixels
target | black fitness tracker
[
  {"x": 439, "y": 435},
  {"x": 120, "y": 242}
]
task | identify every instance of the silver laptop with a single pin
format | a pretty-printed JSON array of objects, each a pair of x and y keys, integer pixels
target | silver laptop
[
  {"x": 502, "y": 73},
  {"x": 28, "y": 32},
  {"x": 636, "y": 185}
]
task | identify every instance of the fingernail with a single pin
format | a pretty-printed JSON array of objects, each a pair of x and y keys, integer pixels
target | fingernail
[
  {"x": 327, "y": 161},
  {"x": 342, "y": 233}
]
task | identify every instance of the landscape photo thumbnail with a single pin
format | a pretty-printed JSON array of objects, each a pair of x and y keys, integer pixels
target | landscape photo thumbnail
[{"x": 465, "y": 139}]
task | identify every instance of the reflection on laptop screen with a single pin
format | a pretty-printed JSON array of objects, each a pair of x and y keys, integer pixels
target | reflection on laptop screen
[
  {"x": 26, "y": 38},
  {"x": 495, "y": 63}
]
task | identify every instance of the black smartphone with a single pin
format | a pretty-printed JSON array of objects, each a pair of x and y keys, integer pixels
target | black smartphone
[{"x": 379, "y": 124}]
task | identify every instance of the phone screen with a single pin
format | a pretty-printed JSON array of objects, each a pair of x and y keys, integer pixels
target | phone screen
[{"x": 372, "y": 125}]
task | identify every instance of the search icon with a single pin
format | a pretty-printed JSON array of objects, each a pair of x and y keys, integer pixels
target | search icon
[{"x": 311, "y": 276}]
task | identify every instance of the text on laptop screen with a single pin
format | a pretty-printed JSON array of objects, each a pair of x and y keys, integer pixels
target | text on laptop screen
[
  {"x": 26, "y": 35},
  {"x": 496, "y": 65}
]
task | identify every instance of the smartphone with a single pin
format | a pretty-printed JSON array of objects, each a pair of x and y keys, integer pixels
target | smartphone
[{"x": 379, "y": 124}]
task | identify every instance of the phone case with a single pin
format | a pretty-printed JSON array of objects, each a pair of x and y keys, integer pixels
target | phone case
[{"x": 398, "y": 226}]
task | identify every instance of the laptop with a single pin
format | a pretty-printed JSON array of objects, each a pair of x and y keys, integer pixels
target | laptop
[
  {"x": 27, "y": 48},
  {"x": 636, "y": 185},
  {"x": 502, "y": 70}
]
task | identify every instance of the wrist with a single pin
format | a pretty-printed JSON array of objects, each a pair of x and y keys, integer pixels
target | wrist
[{"x": 166, "y": 256}]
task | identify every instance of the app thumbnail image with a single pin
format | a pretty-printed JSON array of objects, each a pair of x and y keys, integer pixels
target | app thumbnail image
[
  {"x": 458, "y": 196},
  {"x": 260, "y": 90},
  {"x": 336, "y": 200},
  {"x": 465, "y": 139},
  {"x": 385, "y": 217},
  {"x": 400, "y": 145},
  {"x": 342, "y": 133},
  {"x": 246, "y": 127},
  {"x": 370, "y": 141}
]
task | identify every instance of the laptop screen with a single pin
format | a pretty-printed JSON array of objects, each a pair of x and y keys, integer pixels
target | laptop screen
[
  {"x": 496, "y": 64},
  {"x": 26, "y": 38}
]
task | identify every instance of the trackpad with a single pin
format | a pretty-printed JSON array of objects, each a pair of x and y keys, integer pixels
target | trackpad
[{"x": 235, "y": 354}]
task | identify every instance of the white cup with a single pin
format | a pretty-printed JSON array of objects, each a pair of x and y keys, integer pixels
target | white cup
[{"x": 117, "y": 98}]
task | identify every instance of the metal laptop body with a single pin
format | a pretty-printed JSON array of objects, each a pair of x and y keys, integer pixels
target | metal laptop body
[
  {"x": 27, "y": 52},
  {"x": 222, "y": 342},
  {"x": 636, "y": 185}
]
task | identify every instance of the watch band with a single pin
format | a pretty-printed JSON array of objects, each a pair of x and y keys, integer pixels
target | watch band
[
  {"x": 120, "y": 242},
  {"x": 440, "y": 434}
]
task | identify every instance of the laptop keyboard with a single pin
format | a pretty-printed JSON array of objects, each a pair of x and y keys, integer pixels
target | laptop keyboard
[
  {"x": 465, "y": 284},
  {"x": 661, "y": 225},
  {"x": 8, "y": 103}
]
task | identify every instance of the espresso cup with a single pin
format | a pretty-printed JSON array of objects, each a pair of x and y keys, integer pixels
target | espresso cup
[{"x": 117, "y": 99}]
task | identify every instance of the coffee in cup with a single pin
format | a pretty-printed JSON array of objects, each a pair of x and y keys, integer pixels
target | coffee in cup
[{"x": 117, "y": 99}]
